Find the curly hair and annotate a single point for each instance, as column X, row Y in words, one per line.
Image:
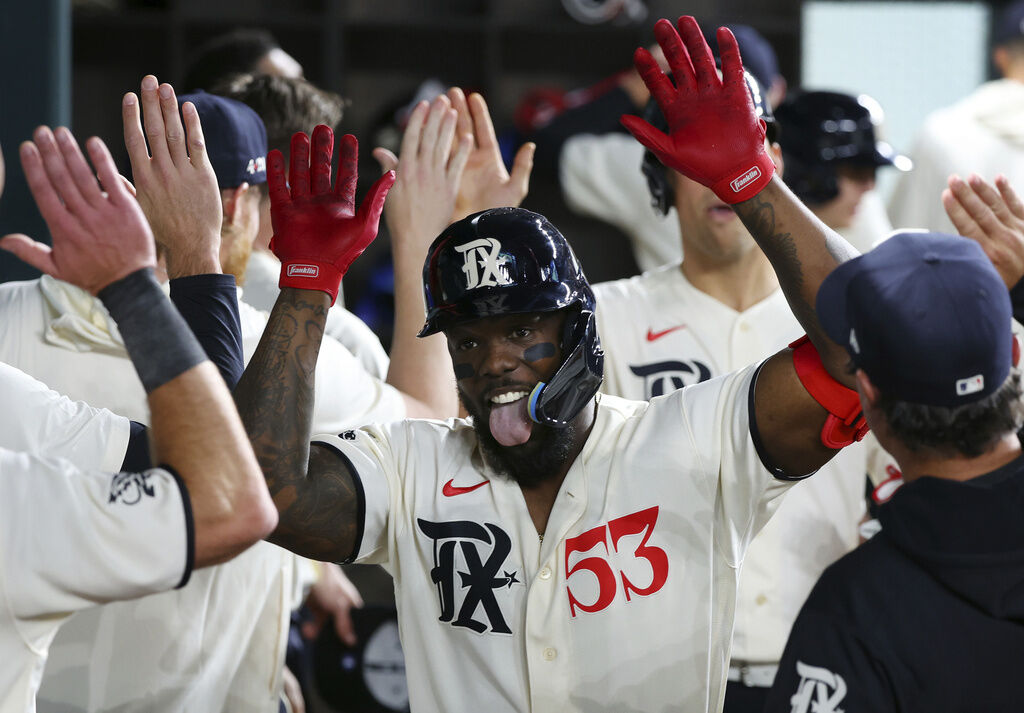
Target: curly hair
column 967, row 430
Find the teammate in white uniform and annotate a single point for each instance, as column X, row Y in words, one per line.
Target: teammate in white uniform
column 127, row 534
column 562, row 550
column 210, row 625
column 670, row 333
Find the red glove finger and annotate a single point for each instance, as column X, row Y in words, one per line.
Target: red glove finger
column 320, row 168
column 714, row 135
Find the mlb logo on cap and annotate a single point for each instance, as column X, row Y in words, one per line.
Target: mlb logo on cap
column 926, row 316
column 970, row 386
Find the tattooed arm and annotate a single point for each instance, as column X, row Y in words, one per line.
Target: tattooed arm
column 311, row 486
column 803, row 251
column 317, row 235
column 716, row 138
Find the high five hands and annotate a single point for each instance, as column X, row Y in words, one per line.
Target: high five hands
column 99, row 232
column 714, row 137
column 317, row 230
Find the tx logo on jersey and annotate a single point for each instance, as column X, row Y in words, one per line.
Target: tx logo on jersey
column 484, row 262
column 663, row 377
column 820, row 690
column 469, row 560
column 130, row 487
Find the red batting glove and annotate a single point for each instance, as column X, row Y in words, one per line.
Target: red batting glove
column 317, row 232
column 714, row 136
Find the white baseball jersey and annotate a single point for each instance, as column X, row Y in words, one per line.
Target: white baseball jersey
column 231, row 623
column 626, row 604
column 64, row 337
column 660, row 333
column 72, row 538
column 36, row 419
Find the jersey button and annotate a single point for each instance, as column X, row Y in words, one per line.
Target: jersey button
column 550, row 654
column 545, row 573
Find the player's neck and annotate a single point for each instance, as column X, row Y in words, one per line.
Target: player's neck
column 738, row 284
column 915, row 465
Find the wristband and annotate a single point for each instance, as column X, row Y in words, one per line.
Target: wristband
column 160, row 344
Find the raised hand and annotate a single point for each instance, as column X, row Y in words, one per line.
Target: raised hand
column 994, row 219
column 99, row 234
column 430, row 167
column 715, row 136
column 176, row 185
column 486, row 182
column 317, row 231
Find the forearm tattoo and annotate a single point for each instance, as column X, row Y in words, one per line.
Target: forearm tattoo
column 758, row 215
column 316, row 498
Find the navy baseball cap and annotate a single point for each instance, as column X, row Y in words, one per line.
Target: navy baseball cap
column 1009, row 25
column 236, row 139
column 925, row 315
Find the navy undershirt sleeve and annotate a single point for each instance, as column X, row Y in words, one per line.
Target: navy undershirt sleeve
column 209, row 304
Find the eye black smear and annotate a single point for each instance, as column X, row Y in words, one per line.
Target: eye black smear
column 539, row 351
column 464, row 371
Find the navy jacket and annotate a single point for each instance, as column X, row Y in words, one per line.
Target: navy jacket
column 926, row 616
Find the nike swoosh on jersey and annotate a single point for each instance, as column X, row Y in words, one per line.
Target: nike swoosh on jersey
column 652, row 335
column 450, row 491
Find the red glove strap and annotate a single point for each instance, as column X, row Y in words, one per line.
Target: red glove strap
column 311, row 275
column 845, row 423
column 746, row 181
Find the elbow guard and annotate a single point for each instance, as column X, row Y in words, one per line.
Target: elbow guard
column 845, row 423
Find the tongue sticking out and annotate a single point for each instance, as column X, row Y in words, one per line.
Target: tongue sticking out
column 510, row 423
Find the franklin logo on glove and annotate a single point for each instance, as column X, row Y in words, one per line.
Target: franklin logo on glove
column 303, row 271
column 746, row 179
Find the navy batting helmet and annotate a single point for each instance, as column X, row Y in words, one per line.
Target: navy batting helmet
column 512, row 261
column 654, row 170
column 821, row 130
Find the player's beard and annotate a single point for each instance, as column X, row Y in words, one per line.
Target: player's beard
column 530, row 464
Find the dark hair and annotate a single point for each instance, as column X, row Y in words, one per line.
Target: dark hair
column 286, row 105
column 232, row 53
column 967, row 430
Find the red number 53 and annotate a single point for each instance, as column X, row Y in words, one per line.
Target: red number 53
column 634, row 524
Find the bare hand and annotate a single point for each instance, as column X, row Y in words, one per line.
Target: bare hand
column 633, row 84
column 994, row 219
column 422, row 200
column 98, row 237
column 333, row 596
column 485, row 182
column 176, row 186
column 292, row 691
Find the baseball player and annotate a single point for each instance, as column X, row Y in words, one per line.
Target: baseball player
column 72, row 536
column 561, row 549
column 832, row 154
column 717, row 311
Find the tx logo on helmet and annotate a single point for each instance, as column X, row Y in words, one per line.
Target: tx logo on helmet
column 484, row 263
column 469, row 559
